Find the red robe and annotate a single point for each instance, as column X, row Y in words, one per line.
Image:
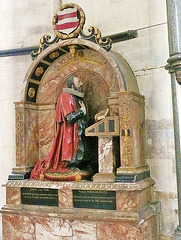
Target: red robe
column 66, row 140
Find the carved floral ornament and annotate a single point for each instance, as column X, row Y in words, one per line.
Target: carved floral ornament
column 125, row 108
column 31, row 92
column 39, row 71
column 54, row 55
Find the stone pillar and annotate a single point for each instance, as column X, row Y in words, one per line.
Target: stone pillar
column 132, row 132
column 105, row 146
column 25, row 121
column 106, row 160
column 174, row 35
column 174, row 66
column 35, row 130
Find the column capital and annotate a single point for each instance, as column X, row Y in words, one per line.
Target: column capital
column 174, row 66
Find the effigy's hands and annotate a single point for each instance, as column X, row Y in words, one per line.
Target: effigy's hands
column 82, row 107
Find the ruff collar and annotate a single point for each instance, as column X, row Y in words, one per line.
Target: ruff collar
column 74, row 92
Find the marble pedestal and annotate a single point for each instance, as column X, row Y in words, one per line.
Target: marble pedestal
column 135, row 216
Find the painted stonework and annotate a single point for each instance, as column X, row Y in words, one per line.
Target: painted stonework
column 116, row 231
column 20, row 136
column 32, row 136
column 40, row 228
column 47, row 128
column 26, row 134
column 132, row 201
column 105, row 155
column 52, row 228
column 65, row 198
column 13, row 196
column 84, row 230
column 18, row 227
column 126, row 201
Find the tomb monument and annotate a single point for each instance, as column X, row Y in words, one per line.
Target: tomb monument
column 108, row 194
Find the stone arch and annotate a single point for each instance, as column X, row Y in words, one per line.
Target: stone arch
column 56, row 62
column 104, row 74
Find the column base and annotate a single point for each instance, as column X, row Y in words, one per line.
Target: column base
column 20, row 173
column 132, row 178
column 104, row 177
column 177, row 233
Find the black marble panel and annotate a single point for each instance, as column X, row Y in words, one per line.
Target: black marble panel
column 94, row 199
column 39, row 196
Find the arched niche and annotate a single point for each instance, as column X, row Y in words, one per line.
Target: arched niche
column 103, row 73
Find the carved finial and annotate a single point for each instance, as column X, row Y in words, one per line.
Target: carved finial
column 72, row 49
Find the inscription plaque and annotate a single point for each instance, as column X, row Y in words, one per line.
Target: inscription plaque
column 94, row 199
column 39, row 196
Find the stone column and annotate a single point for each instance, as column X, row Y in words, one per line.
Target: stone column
column 174, row 66
column 26, row 122
column 132, row 133
column 106, row 160
column 105, row 145
column 174, row 36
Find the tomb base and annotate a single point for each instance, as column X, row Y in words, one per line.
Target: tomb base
column 80, row 210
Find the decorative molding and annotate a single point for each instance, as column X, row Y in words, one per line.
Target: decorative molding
column 125, row 125
column 84, row 185
column 20, row 148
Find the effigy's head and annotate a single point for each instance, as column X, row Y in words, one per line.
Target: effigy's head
column 70, row 81
column 73, row 81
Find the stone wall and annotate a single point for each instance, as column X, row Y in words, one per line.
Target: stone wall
column 24, row 22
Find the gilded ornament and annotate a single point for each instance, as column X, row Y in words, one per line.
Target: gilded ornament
column 39, row 71
column 72, row 49
column 44, row 43
column 31, row 92
column 78, row 177
column 54, row 55
column 125, row 125
column 95, row 36
column 127, row 151
column 125, row 114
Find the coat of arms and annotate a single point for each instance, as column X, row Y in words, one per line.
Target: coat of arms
column 68, row 21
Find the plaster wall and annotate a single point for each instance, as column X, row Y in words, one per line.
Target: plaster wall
column 24, row 22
